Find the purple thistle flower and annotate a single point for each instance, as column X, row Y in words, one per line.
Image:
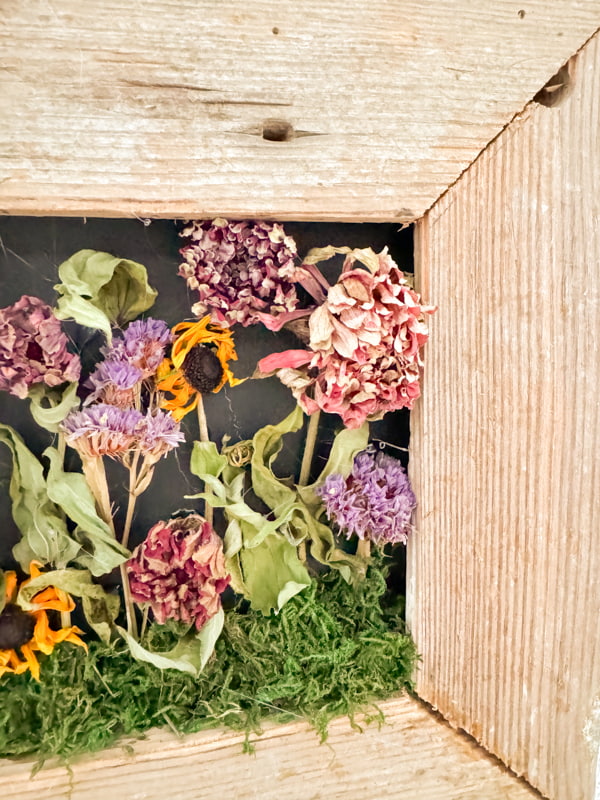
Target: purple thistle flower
column 142, row 345
column 113, row 383
column 159, row 434
column 103, row 430
column 180, row 571
column 375, row 502
column 33, row 348
column 243, row 271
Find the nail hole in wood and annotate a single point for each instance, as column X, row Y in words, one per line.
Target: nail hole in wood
column 557, row 88
column 521, row 13
column 275, row 30
column 277, row 130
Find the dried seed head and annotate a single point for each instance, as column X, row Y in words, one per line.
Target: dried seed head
column 202, row 369
column 16, row 627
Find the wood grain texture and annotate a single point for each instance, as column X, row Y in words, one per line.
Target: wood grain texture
column 113, row 108
column 413, row 757
column 505, row 568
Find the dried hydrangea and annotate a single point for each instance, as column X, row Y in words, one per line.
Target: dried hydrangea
column 364, row 348
column 105, row 430
column 179, row 570
column 375, row 502
column 142, row 345
column 33, row 348
column 243, row 271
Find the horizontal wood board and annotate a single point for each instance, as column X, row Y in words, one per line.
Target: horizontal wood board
column 505, row 568
column 157, row 109
column 412, row 757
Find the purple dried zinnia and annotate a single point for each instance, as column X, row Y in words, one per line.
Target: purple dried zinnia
column 142, row 345
column 180, row 571
column 375, row 502
column 103, row 430
column 242, row 271
column 113, row 382
column 33, row 348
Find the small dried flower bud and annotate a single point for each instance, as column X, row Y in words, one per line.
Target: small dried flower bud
column 240, row 454
column 202, row 369
column 16, row 627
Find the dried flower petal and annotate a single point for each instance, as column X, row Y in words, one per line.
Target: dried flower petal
column 180, row 571
column 142, row 345
column 102, row 430
column 243, row 271
column 33, row 348
column 113, row 382
column 375, row 502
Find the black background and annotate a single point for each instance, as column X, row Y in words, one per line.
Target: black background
column 31, row 249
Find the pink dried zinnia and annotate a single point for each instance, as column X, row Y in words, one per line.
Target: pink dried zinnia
column 364, row 349
column 33, row 348
column 180, row 571
column 243, row 271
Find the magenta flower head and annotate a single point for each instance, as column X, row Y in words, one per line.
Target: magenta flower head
column 243, row 271
column 179, row 570
column 142, row 345
column 103, row 430
column 33, row 348
column 375, row 502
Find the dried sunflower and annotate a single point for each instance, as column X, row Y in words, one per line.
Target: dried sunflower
column 199, row 363
column 24, row 632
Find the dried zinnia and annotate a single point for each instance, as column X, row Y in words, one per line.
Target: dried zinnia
column 33, row 348
column 179, row 570
column 375, row 502
column 364, row 347
column 243, row 271
column 23, row 632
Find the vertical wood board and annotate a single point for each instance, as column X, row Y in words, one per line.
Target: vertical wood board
column 161, row 108
column 505, row 568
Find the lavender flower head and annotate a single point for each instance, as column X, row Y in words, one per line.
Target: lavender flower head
column 243, row 271
column 102, row 430
column 33, row 348
column 142, row 345
column 375, row 502
column 113, row 382
column 159, row 434
column 180, row 571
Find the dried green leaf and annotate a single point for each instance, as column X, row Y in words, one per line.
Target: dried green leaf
column 49, row 406
column 272, row 574
column 100, row 290
column 190, row 654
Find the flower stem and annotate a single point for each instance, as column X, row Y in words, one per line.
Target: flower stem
column 307, row 457
column 363, row 548
column 128, row 602
column 203, row 429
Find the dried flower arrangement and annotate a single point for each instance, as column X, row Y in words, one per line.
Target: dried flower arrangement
column 265, row 594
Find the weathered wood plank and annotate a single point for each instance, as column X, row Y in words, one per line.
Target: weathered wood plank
column 505, row 569
column 413, row 757
column 112, row 108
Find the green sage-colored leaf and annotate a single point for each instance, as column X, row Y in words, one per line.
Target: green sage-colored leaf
column 206, row 460
column 346, row 445
column 101, row 553
column 317, row 254
column 49, row 406
column 100, row 290
column 190, row 654
column 267, row 444
column 272, row 574
column 42, row 524
column 100, row 608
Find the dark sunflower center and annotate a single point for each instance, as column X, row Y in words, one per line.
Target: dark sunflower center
column 16, row 627
column 202, row 369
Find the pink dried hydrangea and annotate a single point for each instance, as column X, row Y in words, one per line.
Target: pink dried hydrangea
column 33, row 348
column 364, row 348
column 243, row 271
column 179, row 570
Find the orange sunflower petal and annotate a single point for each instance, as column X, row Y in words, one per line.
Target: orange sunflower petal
column 11, row 585
column 30, row 662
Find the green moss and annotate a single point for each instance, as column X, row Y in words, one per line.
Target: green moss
column 332, row 650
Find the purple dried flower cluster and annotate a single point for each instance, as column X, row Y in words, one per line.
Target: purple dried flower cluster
column 180, row 571
column 106, row 430
column 33, row 348
column 243, row 271
column 375, row 502
column 142, row 345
